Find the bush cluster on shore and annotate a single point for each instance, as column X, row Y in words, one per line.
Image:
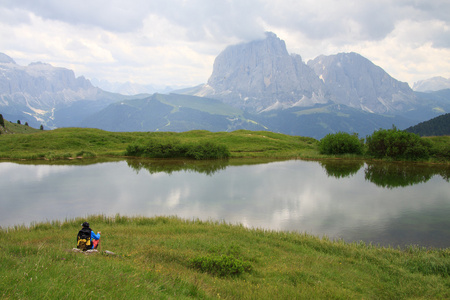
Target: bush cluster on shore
column 391, row 144
column 175, row 149
column 340, row 143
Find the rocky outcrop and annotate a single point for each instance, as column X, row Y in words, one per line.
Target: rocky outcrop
column 33, row 93
column 355, row 81
column 41, row 86
column 261, row 75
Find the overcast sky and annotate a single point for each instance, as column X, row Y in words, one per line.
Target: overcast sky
column 175, row 42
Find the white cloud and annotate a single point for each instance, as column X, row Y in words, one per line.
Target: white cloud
column 175, row 41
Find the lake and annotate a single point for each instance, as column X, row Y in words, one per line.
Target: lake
column 393, row 204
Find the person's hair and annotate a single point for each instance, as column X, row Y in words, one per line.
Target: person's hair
column 85, row 224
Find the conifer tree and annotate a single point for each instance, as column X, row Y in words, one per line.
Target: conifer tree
column 2, row 121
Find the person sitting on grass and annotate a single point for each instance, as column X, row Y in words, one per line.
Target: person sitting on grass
column 86, row 238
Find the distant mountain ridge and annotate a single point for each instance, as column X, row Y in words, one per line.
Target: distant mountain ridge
column 37, row 93
column 256, row 85
column 432, row 84
column 171, row 112
column 355, row 81
column 434, row 127
column 261, row 76
column 129, row 88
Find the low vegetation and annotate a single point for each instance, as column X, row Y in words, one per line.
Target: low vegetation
column 7, row 127
column 398, row 144
column 389, row 144
column 67, row 143
column 175, row 149
column 85, row 142
column 171, row 258
column 341, row 143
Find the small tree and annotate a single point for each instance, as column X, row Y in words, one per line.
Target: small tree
column 18, row 122
column 42, row 127
column 26, row 123
column 2, row 121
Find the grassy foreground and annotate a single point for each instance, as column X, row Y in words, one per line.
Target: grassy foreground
column 153, row 260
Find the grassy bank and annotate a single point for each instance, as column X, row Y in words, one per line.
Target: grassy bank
column 154, row 259
column 68, row 143
column 85, row 142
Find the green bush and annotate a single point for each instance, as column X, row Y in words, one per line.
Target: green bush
column 397, row 144
column 440, row 148
column 340, row 143
column 175, row 149
column 206, row 150
column 225, row 265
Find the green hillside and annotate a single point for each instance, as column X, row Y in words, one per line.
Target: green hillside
column 172, row 112
column 434, row 127
column 322, row 119
column 12, row 128
column 179, row 113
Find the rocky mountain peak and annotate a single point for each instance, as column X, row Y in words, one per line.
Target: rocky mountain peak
column 5, row 59
column 262, row 75
column 355, row 81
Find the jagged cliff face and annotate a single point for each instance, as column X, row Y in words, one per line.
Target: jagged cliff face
column 38, row 89
column 40, row 86
column 355, row 81
column 261, row 75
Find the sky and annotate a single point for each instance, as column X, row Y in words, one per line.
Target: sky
column 174, row 42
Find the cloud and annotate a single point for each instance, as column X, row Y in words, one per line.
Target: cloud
column 176, row 41
column 111, row 15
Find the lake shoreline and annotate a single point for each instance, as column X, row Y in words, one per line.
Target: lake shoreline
column 77, row 143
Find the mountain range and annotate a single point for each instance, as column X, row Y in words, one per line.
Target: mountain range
column 256, row 85
column 42, row 94
column 432, row 84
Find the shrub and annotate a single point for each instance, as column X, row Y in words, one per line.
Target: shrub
column 207, row 150
column 397, row 144
column 174, row 149
column 225, row 265
column 340, row 143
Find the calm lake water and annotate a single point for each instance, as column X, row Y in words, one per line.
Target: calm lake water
column 383, row 203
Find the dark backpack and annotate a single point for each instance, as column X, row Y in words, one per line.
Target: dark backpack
column 84, row 239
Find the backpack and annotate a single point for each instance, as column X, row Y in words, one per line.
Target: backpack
column 84, row 239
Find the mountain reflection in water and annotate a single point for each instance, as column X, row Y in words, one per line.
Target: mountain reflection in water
column 385, row 203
